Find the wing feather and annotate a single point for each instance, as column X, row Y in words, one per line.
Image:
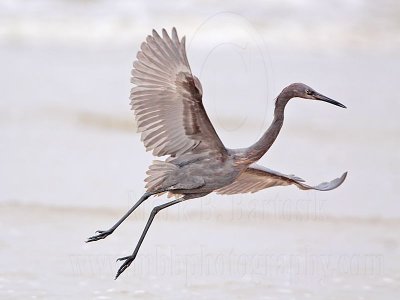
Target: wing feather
column 257, row 178
column 167, row 99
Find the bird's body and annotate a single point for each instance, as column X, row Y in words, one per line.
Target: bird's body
column 167, row 101
column 192, row 177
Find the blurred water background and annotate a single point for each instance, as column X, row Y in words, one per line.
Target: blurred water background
column 69, row 145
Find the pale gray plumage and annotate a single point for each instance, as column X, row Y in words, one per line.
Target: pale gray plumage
column 167, row 102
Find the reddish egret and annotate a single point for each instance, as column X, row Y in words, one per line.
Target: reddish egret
column 167, row 101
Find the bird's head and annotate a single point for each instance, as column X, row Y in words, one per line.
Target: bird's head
column 304, row 91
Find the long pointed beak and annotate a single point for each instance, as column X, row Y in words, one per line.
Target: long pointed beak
column 329, row 100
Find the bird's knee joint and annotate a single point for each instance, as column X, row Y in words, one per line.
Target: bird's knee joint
column 155, row 210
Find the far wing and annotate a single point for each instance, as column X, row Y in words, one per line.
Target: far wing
column 257, row 178
column 167, row 99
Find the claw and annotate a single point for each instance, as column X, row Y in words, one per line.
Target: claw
column 101, row 234
column 128, row 260
column 123, row 258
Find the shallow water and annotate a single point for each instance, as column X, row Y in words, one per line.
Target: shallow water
column 188, row 256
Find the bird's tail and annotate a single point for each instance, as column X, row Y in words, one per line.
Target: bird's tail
column 158, row 173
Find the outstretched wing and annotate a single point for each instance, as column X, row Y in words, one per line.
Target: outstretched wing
column 167, row 99
column 257, row 178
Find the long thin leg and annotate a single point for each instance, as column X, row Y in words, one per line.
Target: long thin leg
column 101, row 234
column 129, row 259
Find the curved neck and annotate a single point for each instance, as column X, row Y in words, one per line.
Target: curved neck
column 258, row 149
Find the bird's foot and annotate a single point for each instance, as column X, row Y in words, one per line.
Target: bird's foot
column 101, row 234
column 127, row 262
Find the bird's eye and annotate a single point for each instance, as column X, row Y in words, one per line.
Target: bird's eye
column 309, row 92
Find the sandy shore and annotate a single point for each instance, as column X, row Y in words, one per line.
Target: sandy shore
column 186, row 256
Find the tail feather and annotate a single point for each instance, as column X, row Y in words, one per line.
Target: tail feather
column 158, row 172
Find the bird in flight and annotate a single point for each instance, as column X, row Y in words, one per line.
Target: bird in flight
column 168, row 106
